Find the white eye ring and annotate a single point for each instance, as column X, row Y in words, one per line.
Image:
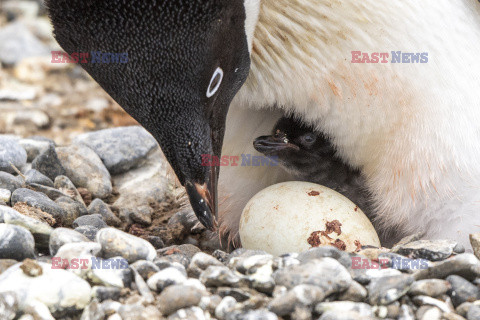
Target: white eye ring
column 211, row 91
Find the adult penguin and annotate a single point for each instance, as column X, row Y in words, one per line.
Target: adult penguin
column 412, row 128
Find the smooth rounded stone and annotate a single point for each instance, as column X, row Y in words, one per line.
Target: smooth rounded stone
column 138, row 312
column 185, row 217
column 475, row 242
column 41, row 231
column 452, row 316
column 65, row 185
column 339, row 307
column 323, row 252
column 145, row 268
column 8, row 305
column 250, row 265
column 11, row 153
column 113, row 272
column 462, row 290
column 260, row 278
column 120, row 149
column 156, row 242
column 34, row 147
column 356, row 292
column 200, row 262
column 59, row 290
column 240, row 295
column 259, row 314
column 102, row 293
column 219, row 276
column 473, row 313
column 165, row 278
column 428, row 313
column 425, row 300
column 406, row 313
column 118, row 243
column 86, row 170
column 99, row 207
column 73, row 210
column 188, row 250
column 61, row 236
column 49, row 164
column 221, row 256
column 429, row 287
column 385, row 290
column 94, row 220
column 364, row 276
column 178, row 297
column 5, row 196
column 326, row 273
column 142, row 188
column 465, row 265
column 175, row 258
column 9, row 182
column 193, row 313
column 303, row 295
column 433, row 250
column 225, row 307
column 18, row 43
column 39, row 201
column 142, row 287
column 16, row 242
column 50, row 192
column 36, row 177
column 88, row 231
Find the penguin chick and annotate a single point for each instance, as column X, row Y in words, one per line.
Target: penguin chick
column 309, row 156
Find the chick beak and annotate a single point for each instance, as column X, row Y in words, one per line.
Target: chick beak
column 203, row 198
column 273, row 144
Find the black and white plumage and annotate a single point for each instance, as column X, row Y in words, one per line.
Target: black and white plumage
column 412, row 129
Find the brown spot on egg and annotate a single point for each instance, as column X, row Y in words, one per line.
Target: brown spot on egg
column 313, row 193
column 340, row 245
column 359, row 245
column 333, row 226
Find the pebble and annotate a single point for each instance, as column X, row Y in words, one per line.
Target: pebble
column 323, row 252
column 61, row 236
column 200, row 262
column 165, row 278
column 99, row 207
column 120, row 149
column 218, row 276
column 94, row 220
column 49, row 164
column 16, row 242
column 142, row 188
column 429, row 287
column 177, row 261
column 57, row 289
column 138, row 312
column 113, row 272
column 433, row 250
column 34, row 147
column 178, row 297
column 65, row 185
column 462, row 290
column 475, row 242
column 86, row 170
column 142, row 287
column 145, row 268
column 326, row 273
column 473, row 313
column 356, row 292
column 118, row 243
column 339, row 307
column 102, row 293
column 5, row 196
column 52, row 193
column 465, row 265
column 38, row 200
column 11, row 153
column 18, row 43
column 36, row 177
column 425, row 300
column 385, row 290
column 72, row 210
column 303, row 295
column 88, row 231
column 9, row 182
column 8, row 305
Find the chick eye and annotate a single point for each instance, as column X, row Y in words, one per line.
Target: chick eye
column 309, row 138
column 215, row 82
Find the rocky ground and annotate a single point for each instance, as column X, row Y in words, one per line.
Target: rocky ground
column 94, row 226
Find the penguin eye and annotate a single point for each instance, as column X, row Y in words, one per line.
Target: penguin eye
column 309, row 139
column 215, row 82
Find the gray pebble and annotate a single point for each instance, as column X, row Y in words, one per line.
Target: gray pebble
column 105, row 293
column 8, row 305
column 462, row 290
column 86, row 170
column 192, row 313
column 5, row 196
column 385, row 290
column 94, row 220
column 176, row 258
column 475, row 242
column 465, row 265
column 99, row 207
column 18, row 43
column 118, row 243
column 73, row 209
column 9, row 182
column 200, row 262
column 145, row 268
column 11, row 153
column 178, row 297
column 473, row 313
column 61, row 236
column 36, row 177
column 16, row 242
column 218, row 276
column 38, row 200
column 52, row 193
column 34, row 147
column 356, row 292
column 322, row 252
column 48, row 163
column 120, row 148
column 429, row 287
column 88, row 231
column 165, row 278
column 345, row 307
column 65, row 185
column 433, row 250
column 301, row 296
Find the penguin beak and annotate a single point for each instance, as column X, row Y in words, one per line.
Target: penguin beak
column 203, row 199
column 270, row 145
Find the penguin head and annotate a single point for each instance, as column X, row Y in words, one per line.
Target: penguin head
column 297, row 146
column 186, row 62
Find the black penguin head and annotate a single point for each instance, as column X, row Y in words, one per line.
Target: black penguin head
column 298, row 147
column 186, row 62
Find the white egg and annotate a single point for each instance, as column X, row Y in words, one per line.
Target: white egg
column 295, row 216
